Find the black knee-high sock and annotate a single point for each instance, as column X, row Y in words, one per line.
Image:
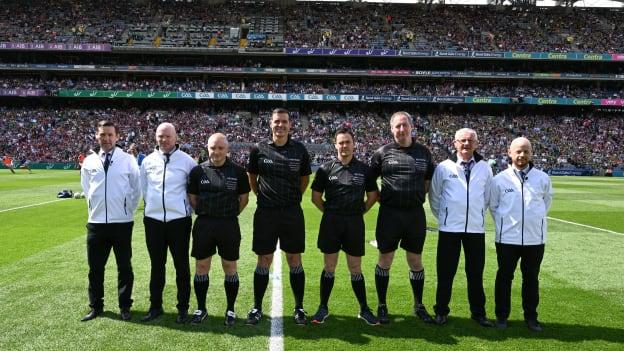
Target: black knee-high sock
column 230, row 283
column 327, row 284
column 357, row 283
column 200, row 284
column 297, row 284
column 261, row 281
column 417, row 280
column 382, row 277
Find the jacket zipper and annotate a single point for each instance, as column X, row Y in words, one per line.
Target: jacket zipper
column 446, row 215
column 105, row 192
column 467, row 201
column 163, row 193
column 522, row 226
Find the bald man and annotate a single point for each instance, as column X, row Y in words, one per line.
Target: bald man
column 519, row 201
column 167, row 220
column 219, row 191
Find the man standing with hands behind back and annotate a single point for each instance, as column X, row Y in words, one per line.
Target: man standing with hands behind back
column 520, row 199
column 406, row 168
column 279, row 172
column 164, row 175
column 344, row 181
column 459, row 196
column 110, row 181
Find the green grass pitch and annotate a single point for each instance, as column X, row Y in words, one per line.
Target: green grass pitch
column 43, row 284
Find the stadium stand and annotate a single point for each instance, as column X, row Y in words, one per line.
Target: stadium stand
column 346, row 25
column 45, row 135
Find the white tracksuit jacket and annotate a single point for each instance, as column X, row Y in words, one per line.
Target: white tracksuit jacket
column 520, row 208
column 164, row 185
column 459, row 205
column 112, row 196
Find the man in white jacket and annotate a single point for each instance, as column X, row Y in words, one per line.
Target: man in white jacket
column 167, row 220
column 110, row 180
column 459, row 196
column 519, row 202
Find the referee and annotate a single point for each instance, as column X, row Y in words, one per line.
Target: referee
column 110, row 180
column 520, row 199
column 167, row 219
column 344, row 182
column 459, row 196
column 219, row 191
column 279, row 172
column 406, row 168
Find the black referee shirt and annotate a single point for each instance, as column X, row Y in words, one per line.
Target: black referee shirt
column 279, row 170
column 218, row 188
column 344, row 186
column 403, row 172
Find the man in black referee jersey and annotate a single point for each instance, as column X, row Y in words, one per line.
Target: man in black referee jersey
column 344, row 181
column 219, row 191
column 279, row 172
column 406, row 168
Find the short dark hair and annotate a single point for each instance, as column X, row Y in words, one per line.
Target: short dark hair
column 280, row 110
column 344, row 130
column 107, row 123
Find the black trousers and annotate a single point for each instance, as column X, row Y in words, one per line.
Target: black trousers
column 530, row 261
column 101, row 237
column 449, row 247
column 174, row 235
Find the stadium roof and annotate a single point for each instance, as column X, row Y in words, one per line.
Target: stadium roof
column 544, row 3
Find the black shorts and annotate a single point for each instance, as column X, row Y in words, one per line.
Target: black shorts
column 285, row 224
column 404, row 226
column 210, row 234
column 338, row 232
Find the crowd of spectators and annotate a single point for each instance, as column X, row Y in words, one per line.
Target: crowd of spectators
column 60, row 135
column 309, row 24
column 405, row 87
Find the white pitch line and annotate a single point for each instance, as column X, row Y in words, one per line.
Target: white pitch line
column 33, row 205
column 276, row 342
column 585, row 225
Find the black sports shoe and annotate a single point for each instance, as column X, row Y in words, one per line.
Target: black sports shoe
column 421, row 312
column 367, row 315
column 440, row 319
column 501, row 323
column 199, row 316
column 230, row 318
column 320, row 316
column 125, row 314
column 534, row 325
column 253, row 317
column 382, row 314
column 182, row 317
column 484, row 322
column 300, row 316
column 152, row 314
column 94, row 313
